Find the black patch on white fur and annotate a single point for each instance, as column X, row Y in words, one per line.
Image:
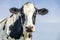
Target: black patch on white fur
column 16, row 29
column 34, row 17
column 30, row 35
column 4, row 24
column 11, row 15
column 22, row 15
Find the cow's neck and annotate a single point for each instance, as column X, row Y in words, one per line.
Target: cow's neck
column 27, row 36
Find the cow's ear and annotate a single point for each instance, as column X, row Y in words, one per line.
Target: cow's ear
column 14, row 10
column 42, row 11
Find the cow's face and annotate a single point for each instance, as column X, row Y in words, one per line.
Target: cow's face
column 29, row 10
column 28, row 13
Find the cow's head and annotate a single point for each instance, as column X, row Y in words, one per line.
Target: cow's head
column 28, row 13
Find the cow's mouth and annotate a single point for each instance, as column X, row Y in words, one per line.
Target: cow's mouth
column 29, row 30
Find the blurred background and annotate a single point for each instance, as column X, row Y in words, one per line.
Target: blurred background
column 47, row 26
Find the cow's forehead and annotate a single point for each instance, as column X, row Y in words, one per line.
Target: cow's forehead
column 28, row 8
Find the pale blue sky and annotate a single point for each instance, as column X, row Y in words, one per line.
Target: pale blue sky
column 48, row 26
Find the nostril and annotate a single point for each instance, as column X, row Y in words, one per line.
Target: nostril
column 32, row 27
column 29, row 28
column 26, row 27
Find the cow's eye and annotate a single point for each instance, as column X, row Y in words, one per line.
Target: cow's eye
column 33, row 18
column 23, row 18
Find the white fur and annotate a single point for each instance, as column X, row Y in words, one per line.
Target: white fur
column 2, row 23
column 26, row 36
column 28, row 11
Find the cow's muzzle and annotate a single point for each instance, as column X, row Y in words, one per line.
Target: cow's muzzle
column 30, row 29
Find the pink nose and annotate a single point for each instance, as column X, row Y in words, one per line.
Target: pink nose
column 29, row 29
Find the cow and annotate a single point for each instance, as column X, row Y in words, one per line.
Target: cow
column 21, row 24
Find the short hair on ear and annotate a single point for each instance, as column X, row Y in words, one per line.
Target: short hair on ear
column 14, row 10
column 42, row 11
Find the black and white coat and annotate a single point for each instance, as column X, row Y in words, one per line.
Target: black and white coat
column 21, row 24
